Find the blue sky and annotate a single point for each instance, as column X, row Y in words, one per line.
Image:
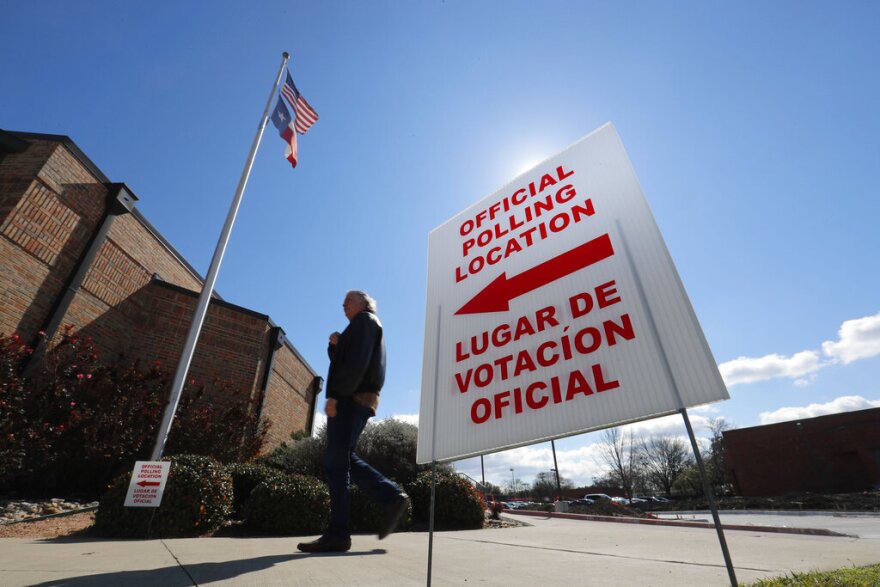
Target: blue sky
column 753, row 128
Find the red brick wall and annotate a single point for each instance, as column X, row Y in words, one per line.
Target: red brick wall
column 288, row 402
column 232, row 346
column 832, row 454
column 145, row 249
column 50, row 205
column 50, row 208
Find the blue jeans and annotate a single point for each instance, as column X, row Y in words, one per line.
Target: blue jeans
column 342, row 466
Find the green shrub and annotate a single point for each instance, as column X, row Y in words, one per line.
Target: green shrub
column 457, row 504
column 246, row 476
column 390, row 447
column 197, row 500
column 289, row 505
column 304, row 455
column 231, row 432
column 496, row 508
column 368, row 517
column 76, row 423
column 79, row 421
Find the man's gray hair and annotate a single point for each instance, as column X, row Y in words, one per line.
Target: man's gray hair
column 369, row 302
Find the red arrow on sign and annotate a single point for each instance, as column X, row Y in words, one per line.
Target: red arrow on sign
column 496, row 296
column 148, row 483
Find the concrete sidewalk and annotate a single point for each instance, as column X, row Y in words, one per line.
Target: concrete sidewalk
column 548, row 551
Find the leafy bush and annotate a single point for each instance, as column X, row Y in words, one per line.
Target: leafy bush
column 390, row 447
column 304, row 455
column 229, row 433
column 289, row 505
column 457, row 504
column 20, row 438
column 246, row 476
column 368, row 517
column 78, row 422
column 197, row 499
column 496, row 508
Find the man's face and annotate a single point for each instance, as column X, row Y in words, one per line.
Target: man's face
column 352, row 306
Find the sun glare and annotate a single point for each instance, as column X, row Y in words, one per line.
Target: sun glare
column 527, row 165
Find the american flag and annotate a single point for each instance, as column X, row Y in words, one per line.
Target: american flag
column 281, row 120
column 305, row 114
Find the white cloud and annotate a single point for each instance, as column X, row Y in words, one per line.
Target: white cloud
column 320, row 421
column 805, row 381
column 671, row 425
column 750, row 370
column 579, row 465
column 858, row 339
column 705, row 409
column 847, row 403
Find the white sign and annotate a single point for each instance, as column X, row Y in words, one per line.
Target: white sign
column 554, row 308
column 147, row 484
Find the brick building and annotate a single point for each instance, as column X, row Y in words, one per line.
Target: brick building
column 75, row 250
column 839, row 453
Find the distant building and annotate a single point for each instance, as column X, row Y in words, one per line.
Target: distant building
column 75, row 250
column 839, row 453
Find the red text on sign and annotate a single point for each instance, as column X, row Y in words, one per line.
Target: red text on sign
column 540, row 393
column 584, row 341
column 523, row 240
column 516, row 199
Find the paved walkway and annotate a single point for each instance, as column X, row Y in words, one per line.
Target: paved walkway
column 547, row 552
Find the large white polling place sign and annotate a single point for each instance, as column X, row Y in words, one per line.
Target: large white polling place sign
column 554, row 308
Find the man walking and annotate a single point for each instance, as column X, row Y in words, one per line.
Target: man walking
column 354, row 380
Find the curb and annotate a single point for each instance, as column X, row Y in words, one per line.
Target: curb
column 681, row 524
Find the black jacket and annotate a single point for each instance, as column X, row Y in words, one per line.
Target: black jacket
column 357, row 361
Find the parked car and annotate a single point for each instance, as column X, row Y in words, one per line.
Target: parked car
column 620, row 500
column 583, row 501
column 637, row 499
column 597, row 496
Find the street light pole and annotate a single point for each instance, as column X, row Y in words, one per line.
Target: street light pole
column 556, row 470
column 512, row 482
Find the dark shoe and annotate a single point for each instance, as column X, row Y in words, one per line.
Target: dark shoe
column 326, row 544
column 393, row 514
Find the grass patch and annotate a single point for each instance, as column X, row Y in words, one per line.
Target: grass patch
column 849, row 577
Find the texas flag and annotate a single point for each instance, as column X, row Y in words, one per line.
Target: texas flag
column 284, row 123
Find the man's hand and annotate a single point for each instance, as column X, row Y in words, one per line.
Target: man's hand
column 334, row 338
column 330, row 408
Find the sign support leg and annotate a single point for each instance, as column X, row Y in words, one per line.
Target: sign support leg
column 433, row 449
column 707, row 489
column 431, row 520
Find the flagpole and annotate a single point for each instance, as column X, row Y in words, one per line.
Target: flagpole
column 208, row 287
